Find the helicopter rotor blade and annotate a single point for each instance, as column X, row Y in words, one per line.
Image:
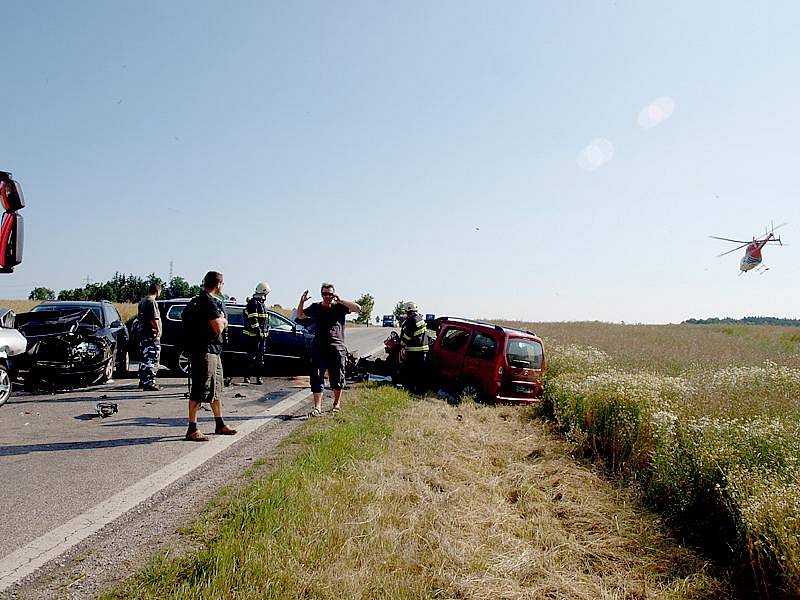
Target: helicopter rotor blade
column 728, row 240
column 733, row 250
column 779, row 226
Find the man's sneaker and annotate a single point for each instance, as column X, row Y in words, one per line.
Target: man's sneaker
column 225, row 431
column 196, row 436
column 150, row 387
column 246, row 381
column 259, row 381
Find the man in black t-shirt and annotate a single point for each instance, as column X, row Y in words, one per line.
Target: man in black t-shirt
column 327, row 350
column 149, row 319
column 204, row 343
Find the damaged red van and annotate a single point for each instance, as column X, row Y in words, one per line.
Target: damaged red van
column 487, row 361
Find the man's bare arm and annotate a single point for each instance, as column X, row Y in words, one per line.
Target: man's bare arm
column 218, row 325
column 351, row 306
column 303, row 299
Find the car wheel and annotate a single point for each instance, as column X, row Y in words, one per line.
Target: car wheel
column 182, row 363
column 108, row 371
column 123, row 363
column 5, row 385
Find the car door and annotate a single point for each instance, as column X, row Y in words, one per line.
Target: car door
column 286, row 339
column 116, row 326
column 479, row 361
column 447, row 357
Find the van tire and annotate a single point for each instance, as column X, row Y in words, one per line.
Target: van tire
column 470, row 389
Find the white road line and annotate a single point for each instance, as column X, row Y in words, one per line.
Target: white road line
column 30, row 557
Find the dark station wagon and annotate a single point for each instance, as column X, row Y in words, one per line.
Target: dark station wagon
column 288, row 349
column 487, row 361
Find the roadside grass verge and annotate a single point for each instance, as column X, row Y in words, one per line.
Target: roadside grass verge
column 714, row 447
column 397, row 498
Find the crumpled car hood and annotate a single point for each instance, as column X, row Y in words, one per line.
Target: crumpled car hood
column 57, row 323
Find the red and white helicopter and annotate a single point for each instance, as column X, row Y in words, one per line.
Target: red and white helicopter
column 752, row 255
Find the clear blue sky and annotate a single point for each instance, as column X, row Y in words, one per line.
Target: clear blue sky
column 415, row 150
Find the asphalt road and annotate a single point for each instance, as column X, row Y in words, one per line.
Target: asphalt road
column 58, row 458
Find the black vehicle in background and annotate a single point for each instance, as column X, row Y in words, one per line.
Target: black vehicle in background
column 71, row 344
column 288, row 350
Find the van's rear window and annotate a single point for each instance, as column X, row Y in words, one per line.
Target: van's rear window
column 524, row 353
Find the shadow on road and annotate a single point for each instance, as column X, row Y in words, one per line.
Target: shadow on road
column 65, row 446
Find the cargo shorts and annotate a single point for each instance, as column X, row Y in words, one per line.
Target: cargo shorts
column 207, row 378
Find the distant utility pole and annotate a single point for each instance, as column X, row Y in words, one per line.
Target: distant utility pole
column 88, row 280
column 170, row 270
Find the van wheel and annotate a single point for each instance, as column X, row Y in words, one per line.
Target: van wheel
column 470, row 391
column 5, row 385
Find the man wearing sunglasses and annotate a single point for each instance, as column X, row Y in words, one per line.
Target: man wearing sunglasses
column 327, row 350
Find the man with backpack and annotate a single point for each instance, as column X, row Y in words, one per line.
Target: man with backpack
column 149, row 333
column 204, row 320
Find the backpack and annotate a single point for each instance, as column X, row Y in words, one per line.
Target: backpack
column 194, row 331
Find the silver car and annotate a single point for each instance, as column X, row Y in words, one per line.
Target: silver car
column 12, row 343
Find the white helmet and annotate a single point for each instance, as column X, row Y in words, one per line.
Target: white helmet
column 263, row 288
column 411, row 307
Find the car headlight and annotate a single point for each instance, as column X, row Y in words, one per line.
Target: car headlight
column 86, row 350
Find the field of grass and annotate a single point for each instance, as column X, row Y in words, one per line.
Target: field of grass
column 704, row 420
column 126, row 309
column 400, row 498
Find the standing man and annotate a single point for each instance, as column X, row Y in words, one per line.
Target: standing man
column 328, row 349
column 256, row 332
column 149, row 338
column 204, row 321
column 413, row 350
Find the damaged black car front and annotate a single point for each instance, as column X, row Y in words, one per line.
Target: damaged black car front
column 66, row 348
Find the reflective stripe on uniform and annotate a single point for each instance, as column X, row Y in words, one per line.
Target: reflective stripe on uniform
column 416, row 348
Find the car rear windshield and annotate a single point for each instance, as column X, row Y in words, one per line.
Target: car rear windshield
column 524, row 353
column 97, row 310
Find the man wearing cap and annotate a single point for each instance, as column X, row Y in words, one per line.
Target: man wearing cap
column 256, row 332
column 413, row 350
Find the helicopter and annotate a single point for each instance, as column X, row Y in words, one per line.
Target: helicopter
column 752, row 258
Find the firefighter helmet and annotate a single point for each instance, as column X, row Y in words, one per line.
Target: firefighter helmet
column 411, row 307
column 263, row 288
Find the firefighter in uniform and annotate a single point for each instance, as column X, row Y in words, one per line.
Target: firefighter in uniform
column 256, row 332
column 413, row 350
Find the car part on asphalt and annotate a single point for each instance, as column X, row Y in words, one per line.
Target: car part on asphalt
column 12, row 343
column 106, row 409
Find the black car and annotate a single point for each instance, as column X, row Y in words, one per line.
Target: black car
column 71, row 343
column 287, row 350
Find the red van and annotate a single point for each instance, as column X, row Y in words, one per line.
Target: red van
column 487, row 361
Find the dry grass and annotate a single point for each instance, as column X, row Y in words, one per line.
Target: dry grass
column 487, row 505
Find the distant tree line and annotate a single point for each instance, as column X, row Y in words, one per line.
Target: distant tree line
column 121, row 288
column 745, row 321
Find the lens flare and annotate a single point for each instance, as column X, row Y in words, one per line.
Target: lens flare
column 655, row 113
column 597, row 153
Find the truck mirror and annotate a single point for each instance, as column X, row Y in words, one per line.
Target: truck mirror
column 11, row 196
column 11, row 241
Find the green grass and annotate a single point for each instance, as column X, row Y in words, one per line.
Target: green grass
column 267, row 539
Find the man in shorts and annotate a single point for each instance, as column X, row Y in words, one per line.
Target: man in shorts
column 327, row 350
column 204, row 324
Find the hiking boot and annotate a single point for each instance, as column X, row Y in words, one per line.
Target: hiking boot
column 196, row 436
column 246, row 381
column 225, row 431
column 259, row 381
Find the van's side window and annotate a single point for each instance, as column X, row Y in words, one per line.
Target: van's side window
column 482, row 346
column 454, row 339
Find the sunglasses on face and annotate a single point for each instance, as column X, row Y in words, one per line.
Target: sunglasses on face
column 328, row 294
